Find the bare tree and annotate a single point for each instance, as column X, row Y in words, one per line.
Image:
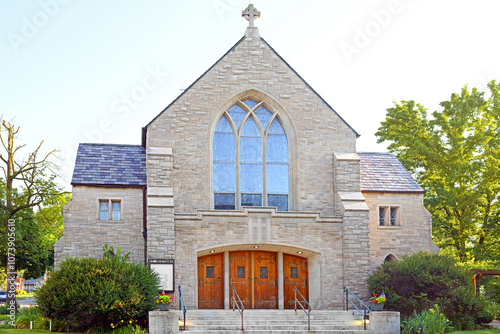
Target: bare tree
column 30, row 173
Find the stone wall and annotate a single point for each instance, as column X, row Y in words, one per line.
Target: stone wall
column 85, row 235
column 319, row 240
column 159, row 165
column 412, row 235
column 252, row 69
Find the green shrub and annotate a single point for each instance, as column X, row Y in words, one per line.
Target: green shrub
column 414, row 324
column 420, row 280
column 427, row 322
column 129, row 329
column 90, row 292
column 26, row 315
column 494, row 309
column 493, row 290
column 4, row 309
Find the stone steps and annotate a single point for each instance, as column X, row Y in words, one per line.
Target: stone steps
column 273, row 322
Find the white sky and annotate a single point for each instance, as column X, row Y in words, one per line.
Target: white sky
column 67, row 67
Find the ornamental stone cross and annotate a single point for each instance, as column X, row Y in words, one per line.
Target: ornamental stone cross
column 250, row 13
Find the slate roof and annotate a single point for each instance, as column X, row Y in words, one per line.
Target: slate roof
column 110, row 165
column 383, row 172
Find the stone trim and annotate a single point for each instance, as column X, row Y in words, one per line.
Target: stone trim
column 159, row 151
column 347, row 157
column 162, row 202
column 200, row 214
column 351, row 196
column 160, row 191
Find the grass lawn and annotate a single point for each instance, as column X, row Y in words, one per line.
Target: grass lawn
column 4, row 317
column 26, row 295
column 484, row 331
column 26, row 331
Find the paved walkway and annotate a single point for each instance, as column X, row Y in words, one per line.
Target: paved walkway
column 495, row 323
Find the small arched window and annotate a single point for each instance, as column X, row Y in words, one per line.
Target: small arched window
column 390, row 258
column 250, row 158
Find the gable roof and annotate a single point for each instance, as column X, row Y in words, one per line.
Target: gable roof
column 110, row 165
column 218, row 61
column 383, row 172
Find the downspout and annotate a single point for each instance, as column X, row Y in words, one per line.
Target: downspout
column 145, row 222
column 145, row 203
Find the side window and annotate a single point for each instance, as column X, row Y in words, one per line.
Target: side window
column 388, row 216
column 110, row 209
column 116, row 208
column 103, row 210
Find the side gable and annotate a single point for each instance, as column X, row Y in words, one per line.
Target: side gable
column 383, row 172
column 110, row 165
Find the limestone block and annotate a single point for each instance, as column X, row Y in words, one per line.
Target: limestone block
column 382, row 322
column 163, row 322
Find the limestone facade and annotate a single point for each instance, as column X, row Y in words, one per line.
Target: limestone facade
column 412, row 234
column 330, row 221
column 85, row 234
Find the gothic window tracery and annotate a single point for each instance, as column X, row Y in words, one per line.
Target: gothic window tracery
column 250, row 158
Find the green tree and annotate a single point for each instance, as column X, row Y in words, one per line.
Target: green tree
column 27, row 184
column 455, row 157
column 31, row 257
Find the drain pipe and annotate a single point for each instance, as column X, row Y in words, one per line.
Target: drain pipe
column 145, row 201
column 145, row 222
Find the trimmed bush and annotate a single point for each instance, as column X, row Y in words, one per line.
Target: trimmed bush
column 90, row 292
column 420, row 280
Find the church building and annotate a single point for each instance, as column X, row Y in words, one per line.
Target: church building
column 247, row 180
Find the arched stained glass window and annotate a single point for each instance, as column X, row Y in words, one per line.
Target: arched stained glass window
column 250, row 158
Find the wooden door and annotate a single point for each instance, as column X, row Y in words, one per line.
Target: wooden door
column 295, row 275
column 240, row 276
column 265, row 280
column 211, row 281
column 254, row 277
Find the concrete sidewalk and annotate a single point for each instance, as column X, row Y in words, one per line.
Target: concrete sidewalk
column 495, row 323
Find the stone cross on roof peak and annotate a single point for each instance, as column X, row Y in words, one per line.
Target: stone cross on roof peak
column 250, row 13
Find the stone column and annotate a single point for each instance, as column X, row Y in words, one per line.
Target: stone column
column 351, row 205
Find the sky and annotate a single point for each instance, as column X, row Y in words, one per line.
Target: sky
column 98, row 71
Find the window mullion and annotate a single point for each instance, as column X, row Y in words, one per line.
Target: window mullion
column 238, row 194
column 264, row 171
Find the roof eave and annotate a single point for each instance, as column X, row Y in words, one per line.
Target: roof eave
column 393, row 191
column 76, row 184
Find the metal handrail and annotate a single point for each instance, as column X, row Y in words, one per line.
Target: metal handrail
column 366, row 309
column 182, row 307
column 308, row 312
column 240, row 309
